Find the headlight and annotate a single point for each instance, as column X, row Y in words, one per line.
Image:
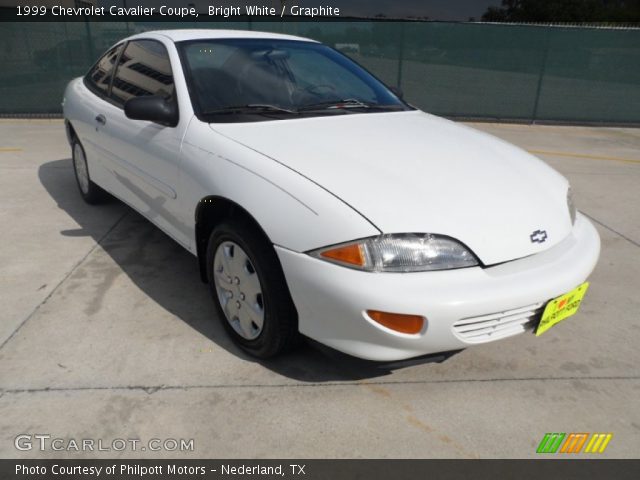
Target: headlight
column 572, row 207
column 406, row 252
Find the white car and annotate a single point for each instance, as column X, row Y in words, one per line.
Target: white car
column 319, row 203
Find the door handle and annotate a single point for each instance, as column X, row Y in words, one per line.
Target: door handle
column 101, row 119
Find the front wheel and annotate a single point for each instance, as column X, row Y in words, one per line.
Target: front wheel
column 249, row 290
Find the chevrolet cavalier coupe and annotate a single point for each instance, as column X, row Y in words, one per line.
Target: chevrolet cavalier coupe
column 319, row 203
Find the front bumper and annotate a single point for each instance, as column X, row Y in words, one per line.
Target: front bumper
column 498, row 301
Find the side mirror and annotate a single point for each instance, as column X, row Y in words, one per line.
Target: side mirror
column 153, row 108
column 397, row 91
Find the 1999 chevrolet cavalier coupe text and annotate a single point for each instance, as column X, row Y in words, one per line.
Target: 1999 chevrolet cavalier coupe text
column 319, row 203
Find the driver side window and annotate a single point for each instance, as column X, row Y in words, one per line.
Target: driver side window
column 99, row 76
column 144, row 69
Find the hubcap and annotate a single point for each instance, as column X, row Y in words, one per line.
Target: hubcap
column 239, row 290
column 80, row 164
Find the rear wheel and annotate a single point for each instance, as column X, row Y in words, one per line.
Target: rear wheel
column 91, row 193
column 249, row 290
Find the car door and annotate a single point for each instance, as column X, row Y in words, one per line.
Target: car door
column 89, row 120
column 145, row 154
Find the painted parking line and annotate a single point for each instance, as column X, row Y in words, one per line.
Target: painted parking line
column 584, row 155
column 10, row 149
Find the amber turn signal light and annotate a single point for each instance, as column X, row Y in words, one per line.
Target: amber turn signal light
column 350, row 254
column 397, row 321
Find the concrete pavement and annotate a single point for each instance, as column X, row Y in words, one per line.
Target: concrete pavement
column 106, row 332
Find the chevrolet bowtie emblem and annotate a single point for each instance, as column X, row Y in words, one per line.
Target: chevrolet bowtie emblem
column 539, row 236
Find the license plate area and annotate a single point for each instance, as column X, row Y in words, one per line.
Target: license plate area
column 561, row 308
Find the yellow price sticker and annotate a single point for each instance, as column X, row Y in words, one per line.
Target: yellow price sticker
column 561, row 308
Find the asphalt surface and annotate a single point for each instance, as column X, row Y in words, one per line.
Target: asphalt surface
column 106, row 332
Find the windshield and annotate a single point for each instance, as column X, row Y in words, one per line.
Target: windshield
column 233, row 80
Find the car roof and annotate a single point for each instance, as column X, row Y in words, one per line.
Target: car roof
column 179, row 35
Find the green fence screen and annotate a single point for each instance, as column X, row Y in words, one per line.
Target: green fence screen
column 471, row 70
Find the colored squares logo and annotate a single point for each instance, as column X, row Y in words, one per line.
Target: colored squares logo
column 598, row 443
column 550, row 442
column 574, row 443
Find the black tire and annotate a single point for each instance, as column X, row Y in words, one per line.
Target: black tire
column 279, row 331
column 90, row 192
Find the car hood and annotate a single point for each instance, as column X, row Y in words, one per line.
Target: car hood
column 415, row 172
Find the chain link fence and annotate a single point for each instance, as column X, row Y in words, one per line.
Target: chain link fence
column 467, row 70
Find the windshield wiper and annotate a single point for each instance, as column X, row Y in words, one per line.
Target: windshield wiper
column 336, row 104
column 333, row 105
column 251, row 108
column 347, row 103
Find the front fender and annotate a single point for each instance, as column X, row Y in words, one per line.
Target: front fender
column 294, row 212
